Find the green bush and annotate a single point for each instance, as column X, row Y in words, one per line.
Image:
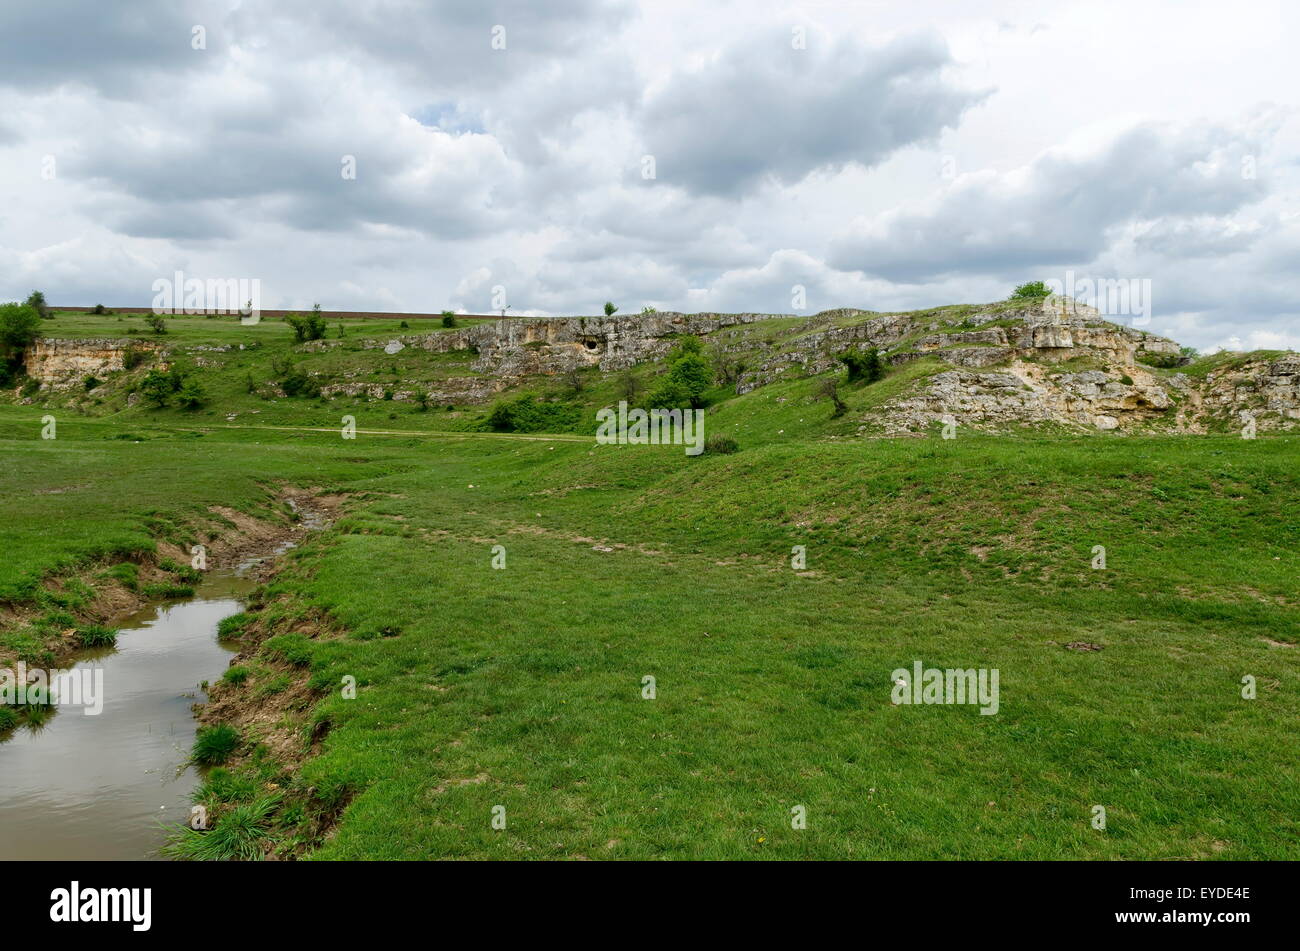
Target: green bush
column 724, row 445
column 191, row 395
column 448, row 319
column 157, row 323
column 867, row 366
column 158, row 387
column 1031, row 290
column 36, row 301
column 1162, row 361
column 235, row 675
column 311, row 327
column 19, row 327
column 527, row 415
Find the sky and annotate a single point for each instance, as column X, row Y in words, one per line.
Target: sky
column 552, row 155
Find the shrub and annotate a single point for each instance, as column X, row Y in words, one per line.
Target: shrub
column 100, row 309
column 156, row 323
column 448, row 319
column 30, row 387
column 670, row 394
column 311, row 327
column 863, row 366
column 214, row 745
column 527, row 415
column 191, row 395
column 830, row 389
column 90, row 382
column 297, row 383
column 19, row 327
column 1162, row 361
column 36, row 301
column 721, row 444
column 157, row 387
column 1031, row 290
column 610, row 309
column 132, row 358
column 235, row 675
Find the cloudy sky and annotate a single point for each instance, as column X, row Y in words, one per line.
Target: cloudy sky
column 684, row 154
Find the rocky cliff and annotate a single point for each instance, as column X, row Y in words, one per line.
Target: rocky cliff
column 65, row 363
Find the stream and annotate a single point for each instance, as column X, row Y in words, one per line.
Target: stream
column 102, row 787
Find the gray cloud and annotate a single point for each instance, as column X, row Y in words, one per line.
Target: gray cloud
column 1059, row 210
column 764, row 111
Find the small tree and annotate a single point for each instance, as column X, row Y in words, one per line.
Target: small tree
column 156, row 323
column 830, row 389
column 867, row 367
column 311, row 327
column 157, row 387
column 1032, row 290
column 610, row 309
column 19, row 328
column 36, row 301
column 448, row 319
column 191, row 395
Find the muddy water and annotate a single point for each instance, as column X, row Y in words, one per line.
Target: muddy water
column 101, row 787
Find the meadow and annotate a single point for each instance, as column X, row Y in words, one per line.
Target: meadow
column 519, row 692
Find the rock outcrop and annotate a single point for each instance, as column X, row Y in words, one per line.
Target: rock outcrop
column 65, row 363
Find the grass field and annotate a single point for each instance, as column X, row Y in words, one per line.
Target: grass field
column 522, row 687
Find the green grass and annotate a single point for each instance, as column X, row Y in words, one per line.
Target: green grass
column 522, row 687
column 214, row 745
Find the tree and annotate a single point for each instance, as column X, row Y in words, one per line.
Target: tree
column 610, row 309
column 448, row 319
column 157, row 387
column 36, row 301
column 693, row 373
column 830, row 389
column 1032, row 290
column 157, row 323
column 311, row 327
column 191, row 395
column 19, row 327
column 867, row 367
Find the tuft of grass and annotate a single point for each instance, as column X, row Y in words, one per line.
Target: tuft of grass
column 230, row 628
column 244, row 834
column 214, row 745
column 235, row 675
column 96, row 636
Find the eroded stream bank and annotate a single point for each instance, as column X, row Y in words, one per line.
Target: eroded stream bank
column 108, row 785
column 102, row 786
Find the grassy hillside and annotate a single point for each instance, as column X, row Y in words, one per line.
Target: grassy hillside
column 522, row 687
